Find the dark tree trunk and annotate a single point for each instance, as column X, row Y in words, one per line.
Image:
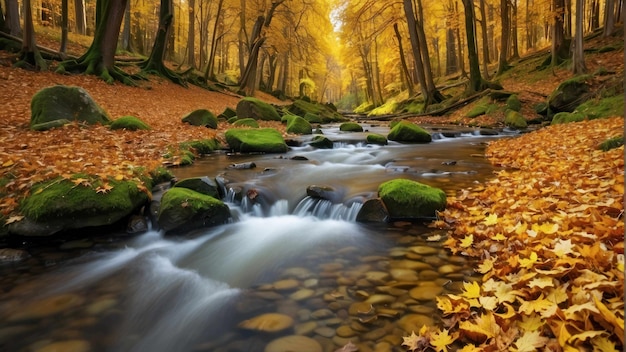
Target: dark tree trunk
column 12, row 18
column 560, row 47
column 155, row 62
column 64, row 21
column 514, row 40
column 460, row 44
column 485, row 39
column 503, row 63
column 209, row 73
column 30, row 55
column 191, row 34
column 476, row 82
column 579, row 66
column 81, row 21
column 126, row 40
column 609, row 18
column 405, row 68
column 451, row 58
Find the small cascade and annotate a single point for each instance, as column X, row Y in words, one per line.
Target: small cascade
column 325, row 209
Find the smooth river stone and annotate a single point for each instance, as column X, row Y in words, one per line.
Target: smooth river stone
column 420, row 309
column 449, row 269
column 302, row 294
column 404, row 274
column 409, row 264
column 360, row 308
column 345, row 331
column 414, row 322
column 294, row 343
column 286, row 285
column 383, row 347
column 65, row 346
column 269, row 322
column 377, row 277
column 101, row 306
column 423, row 250
column 428, row 275
column 425, row 293
column 298, row 273
column 325, row 331
column 374, row 334
column 322, row 313
column 378, row 299
column 305, row 328
column 46, row 307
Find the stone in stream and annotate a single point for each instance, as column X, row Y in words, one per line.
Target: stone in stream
column 184, row 210
column 268, row 322
column 65, row 346
column 406, row 199
column 10, row 255
column 293, row 343
column 425, row 293
column 46, row 307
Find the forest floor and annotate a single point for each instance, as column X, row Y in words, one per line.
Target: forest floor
column 548, row 230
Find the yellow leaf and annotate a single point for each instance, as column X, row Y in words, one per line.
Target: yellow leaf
column 488, row 302
column 563, row 248
column 441, row 340
column 411, row 341
column 471, row 290
column 467, row 241
column 528, row 263
column 603, row 344
column 483, row 328
column 8, row 163
column 485, row 266
column 491, row 219
column 498, row 237
column 119, row 177
column 510, row 312
column 610, row 317
column 13, row 219
column 572, row 311
column 585, row 335
column 538, row 305
column 531, row 322
column 470, row 348
column 530, row 341
column 541, row 282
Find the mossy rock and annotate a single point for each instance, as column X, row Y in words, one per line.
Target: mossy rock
column 515, row 120
column 313, row 118
column 570, row 94
column 513, row 103
column 298, row 125
column 374, row 138
column 541, row 108
column 254, row 108
column 263, row 140
column 350, row 127
column 130, row 123
column 77, row 203
column 227, row 114
column 567, row 117
column 202, row 146
column 479, row 108
column 65, row 103
column 184, row 210
column 321, row 142
column 248, row 122
column 605, row 107
column 407, row 199
column 233, row 119
column 202, row 185
column 201, row 117
column 611, row 143
column 325, row 114
column 408, row 132
column 49, row 125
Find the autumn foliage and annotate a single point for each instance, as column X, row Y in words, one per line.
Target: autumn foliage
column 548, row 231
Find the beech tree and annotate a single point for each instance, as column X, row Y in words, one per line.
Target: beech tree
column 12, row 18
column 100, row 57
column 30, row 55
column 579, row 66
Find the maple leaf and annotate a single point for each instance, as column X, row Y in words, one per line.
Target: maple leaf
column 531, row 322
column 471, row 290
column 530, row 262
column 486, row 266
column 81, row 182
column 541, row 282
column 491, row 219
column 530, row 341
column 539, row 305
column 467, row 241
column 483, row 328
column 563, row 248
column 603, row 344
column 105, row 188
column 14, row 218
column 416, row 342
column 470, row 348
column 441, row 340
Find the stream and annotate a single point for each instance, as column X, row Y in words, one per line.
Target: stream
column 289, row 273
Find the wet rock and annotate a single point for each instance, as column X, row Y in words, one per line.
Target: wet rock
column 425, row 293
column 137, row 224
column 373, row 210
column 414, row 322
column 345, row 331
column 325, row 331
column 305, row 328
column 242, row 166
column 102, row 305
column 449, row 269
column 286, row 285
column 269, row 322
column 183, row 210
column 46, row 307
column 423, row 250
column 404, row 274
column 405, row 131
column 323, row 192
column 65, row 346
column 204, row 185
column 321, row 142
column 293, row 343
column 10, row 255
column 302, row 294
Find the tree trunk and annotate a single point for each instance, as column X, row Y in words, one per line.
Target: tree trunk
column 30, row 55
column 476, row 82
column 81, row 21
column 451, row 58
column 433, row 96
column 405, row 68
column 485, row 39
column 559, row 50
column 514, row 41
column 244, row 41
column 12, row 18
column 191, row 34
column 460, row 45
column 609, row 18
column 579, row 66
column 64, row 20
column 209, row 73
column 503, row 64
column 126, row 40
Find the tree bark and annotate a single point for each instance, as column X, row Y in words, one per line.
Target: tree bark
column 609, row 18
column 503, row 63
column 81, row 22
column 559, row 51
column 30, row 55
column 209, row 73
column 12, row 18
column 405, row 68
column 514, row 41
column 191, row 33
column 579, row 66
column 64, row 29
column 485, row 39
column 451, row 57
column 476, row 82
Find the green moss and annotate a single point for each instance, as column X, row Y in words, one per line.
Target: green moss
column 409, row 199
column 130, row 123
column 480, row 107
column 515, row 120
column 184, row 209
column 66, row 102
column 201, row 117
column 77, row 200
column 567, row 117
column 202, row 185
column 325, row 113
column 298, row 125
column 415, row 107
column 49, row 125
column 312, row 118
column 364, row 108
column 233, row 119
column 160, row 175
column 374, row 138
column 389, row 107
column 350, row 127
column 612, row 143
column 513, row 103
column 321, row 142
column 227, row 114
column 264, row 140
column 254, row 108
column 405, row 131
column 248, row 122
column 606, row 107
column 201, row 146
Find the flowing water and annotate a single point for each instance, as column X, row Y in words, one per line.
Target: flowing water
column 330, row 279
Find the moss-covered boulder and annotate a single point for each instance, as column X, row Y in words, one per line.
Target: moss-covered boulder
column 184, row 210
column 513, row 103
column 313, row 118
column 65, row 103
column 406, row 199
column 298, row 125
column 227, row 114
column 82, row 201
column 482, row 107
column 601, row 108
column 50, row 125
column 350, row 127
column 611, row 143
column 201, row 117
column 567, row 117
column 201, row 146
column 247, row 122
column 130, row 123
column 254, row 108
column 570, row 94
column 321, row 142
column 202, row 185
column 515, row 120
column 262, row 140
column 323, row 112
column 408, row 132
column 375, row 138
